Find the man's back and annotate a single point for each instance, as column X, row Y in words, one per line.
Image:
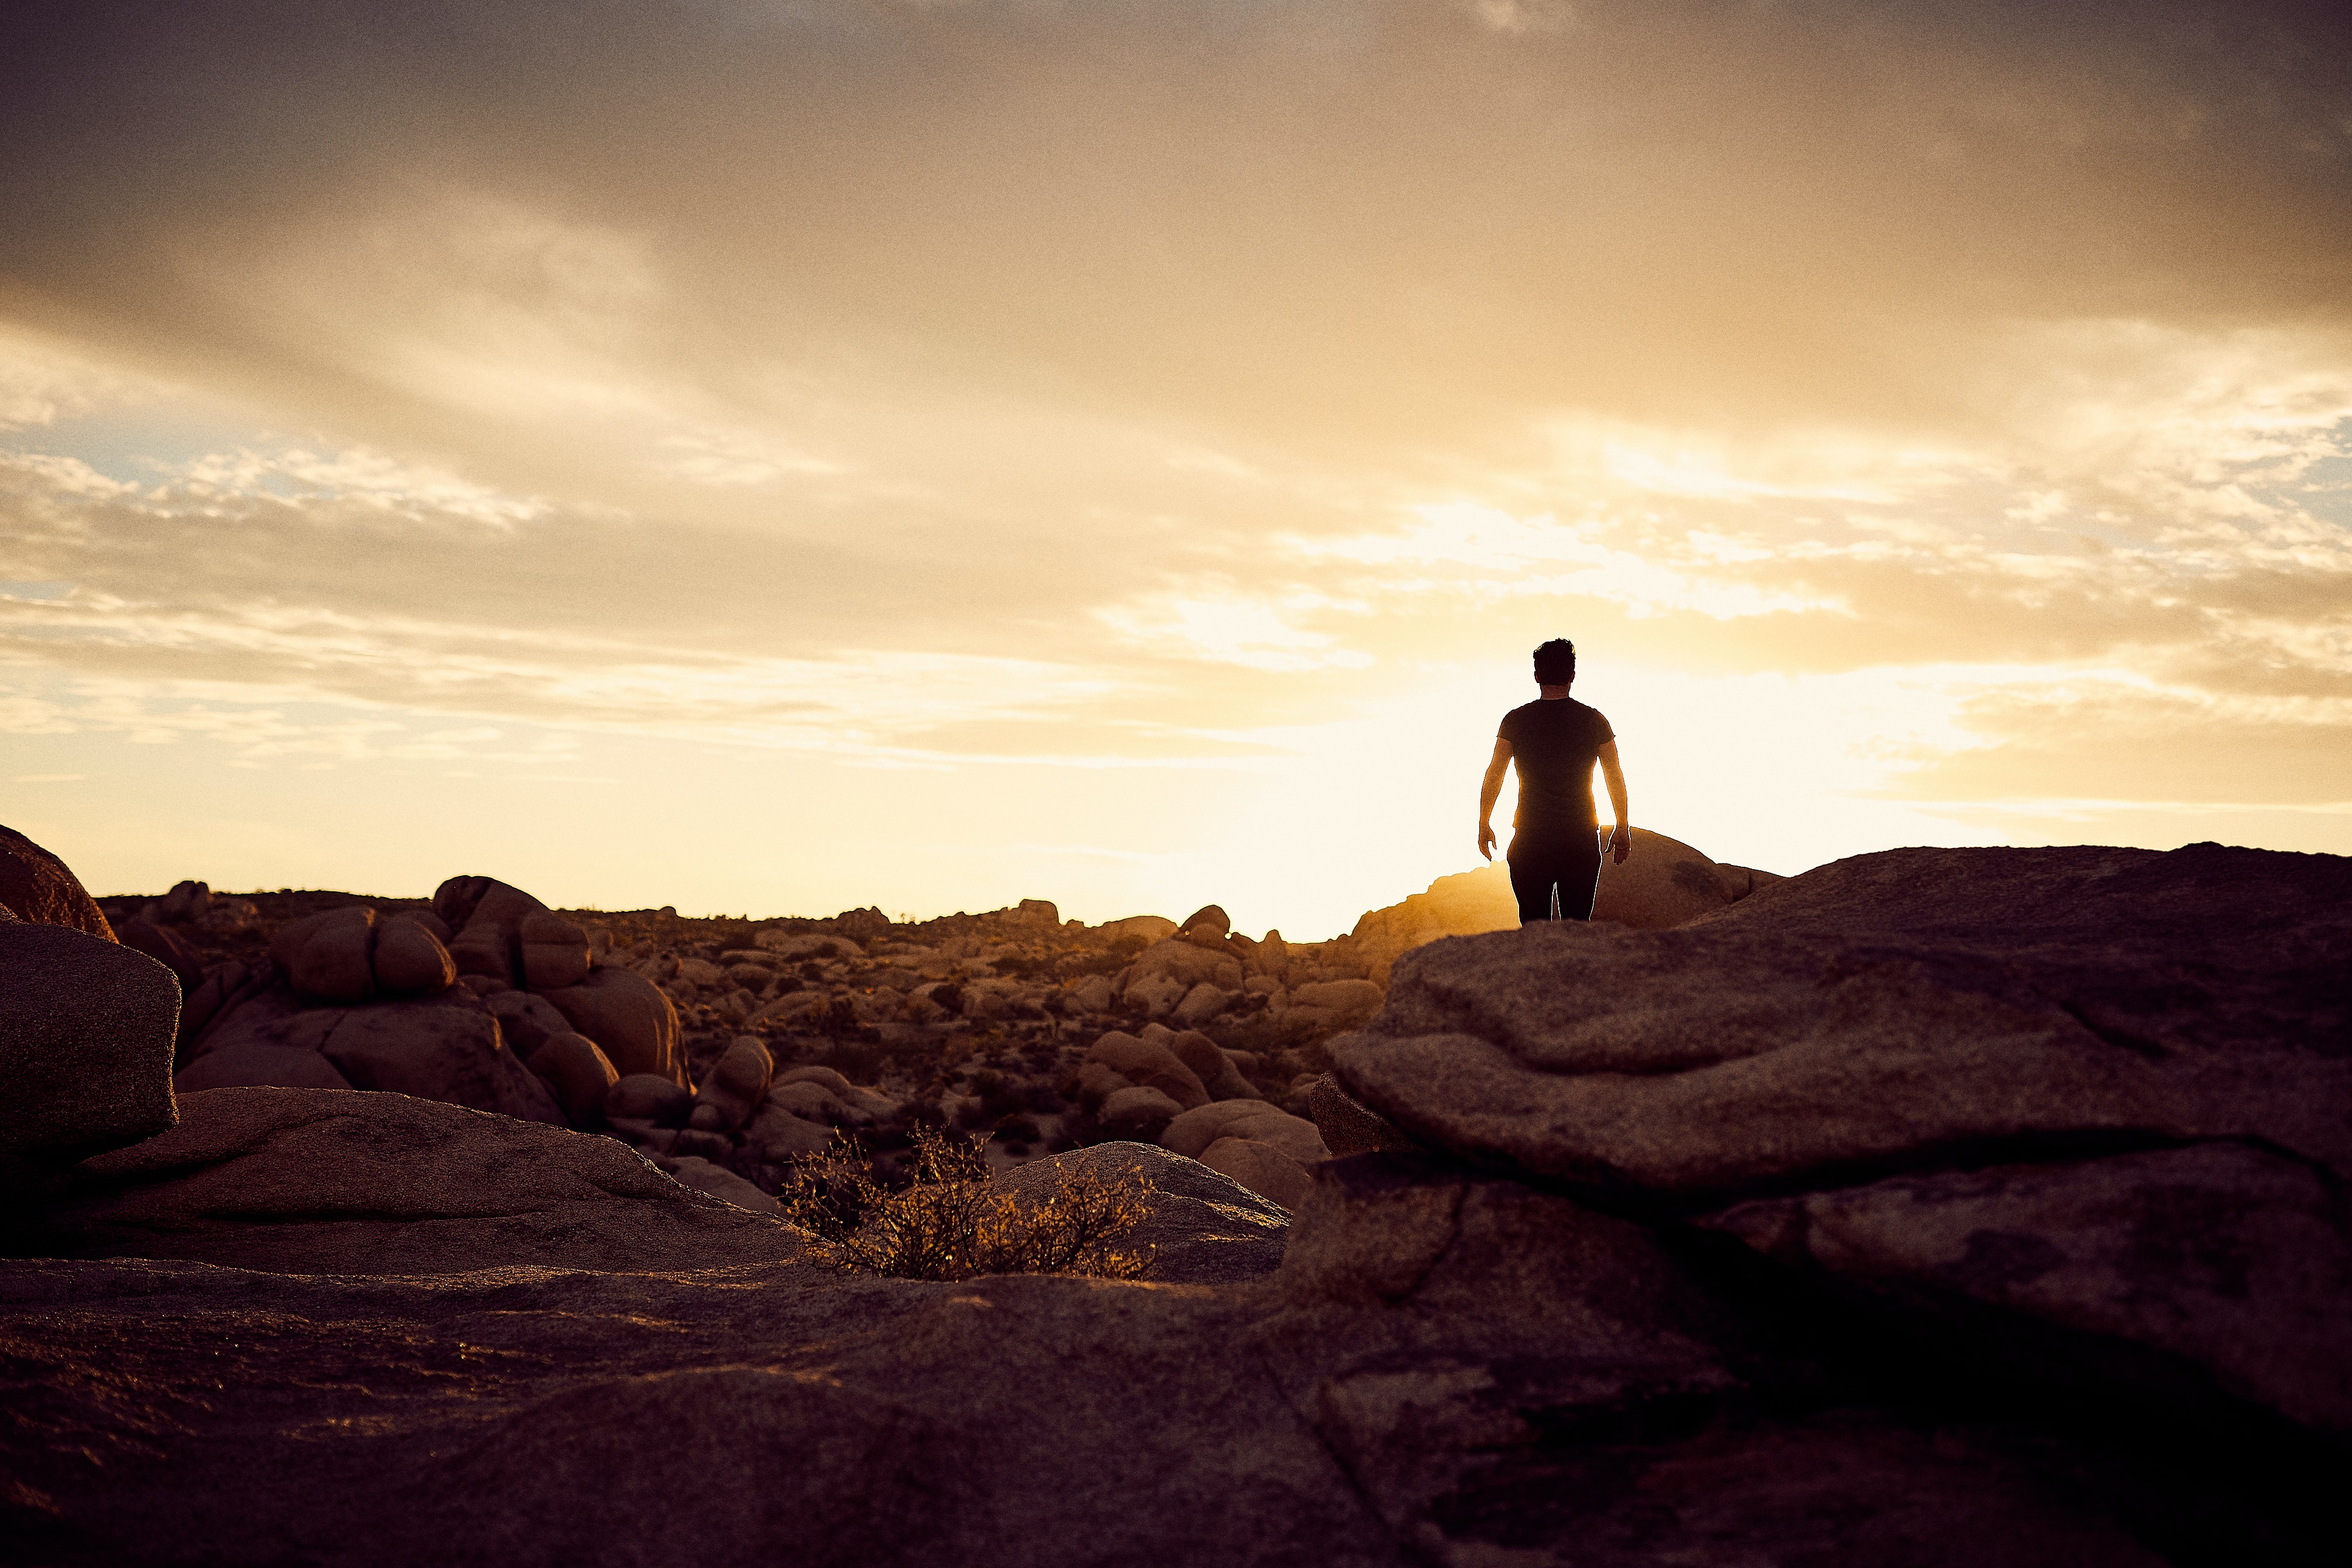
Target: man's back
column 1555, row 743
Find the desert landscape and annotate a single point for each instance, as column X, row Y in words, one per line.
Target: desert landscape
column 1933, row 1207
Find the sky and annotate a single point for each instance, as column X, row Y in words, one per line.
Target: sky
column 773, row 456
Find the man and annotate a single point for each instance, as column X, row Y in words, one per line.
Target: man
column 1555, row 853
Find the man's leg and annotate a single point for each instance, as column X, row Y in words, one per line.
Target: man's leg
column 1531, row 884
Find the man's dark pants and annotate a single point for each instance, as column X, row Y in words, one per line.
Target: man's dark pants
column 1568, row 862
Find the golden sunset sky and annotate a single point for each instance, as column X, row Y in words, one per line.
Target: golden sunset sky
column 774, row 455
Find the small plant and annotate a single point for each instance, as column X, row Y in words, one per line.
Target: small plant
column 953, row 1222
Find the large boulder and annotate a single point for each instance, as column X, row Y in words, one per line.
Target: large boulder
column 578, row 1075
column 1866, row 1011
column 629, row 1018
column 167, row 947
column 1149, row 1065
column 310, row 1181
column 734, row 1086
column 87, row 1028
column 1188, row 965
column 1664, row 883
column 488, row 916
column 326, row 956
column 38, row 887
column 447, row 1050
column 2226, row 1265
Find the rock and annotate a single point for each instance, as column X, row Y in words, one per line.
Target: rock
column 269, row 1015
column 488, row 916
column 1261, row 1168
column 2227, row 1261
column 792, row 946
column 1209, row 915
column 1151, row 928
column 809, row 1102
column 1884, row 1008
column 313, row 1181
column 827, row 1077
column 87, row 1029
column 629, row 1016
column 1157, row 994
column 1214, row 1068
column 168, row 948
column 780, row 1135
column 1183, row 962
column 1149, row 1066
column 717, row 1181
column 1348, row 1127
column 326, row 956
column 734, row 1086
column 1204, row 1228
column 224, row 988
column 554, row 951
column 409, row 960
column 1136, row 1112
column 258, row 1066
column 1191, row 1134
column 651, row 1097
column 447, row 1050
column 188, row 901
column 38, row 888
column 1201, row 1003
column 526, row 1021
column 1092, row 995
column 1340, row 1004
column 1445, row 1369
column 578, row 1074
column 1663, row 883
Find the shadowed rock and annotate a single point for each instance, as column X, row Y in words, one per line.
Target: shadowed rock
column 332, row 1181
column 38, row 887
column 86, row 1034
column 1882, row 1009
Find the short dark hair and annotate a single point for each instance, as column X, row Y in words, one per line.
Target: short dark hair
column 1556, row 663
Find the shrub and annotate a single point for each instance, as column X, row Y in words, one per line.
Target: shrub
column 953, row 1222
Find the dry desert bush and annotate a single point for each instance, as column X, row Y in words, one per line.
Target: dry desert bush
column 953, row 1222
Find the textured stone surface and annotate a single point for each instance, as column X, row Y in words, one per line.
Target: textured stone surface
column 447, row 1050
column 256, row 1067
column 332, row 1181
column 2227, row 1265
column 629, row 1018
column 1348, row 1127
column 1886, row 1010
column 38, row 887
column 87, row 1029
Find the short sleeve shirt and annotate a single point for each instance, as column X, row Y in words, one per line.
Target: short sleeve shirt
column 1554, row 745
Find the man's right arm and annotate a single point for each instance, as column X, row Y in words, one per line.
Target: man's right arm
column 1489, row 792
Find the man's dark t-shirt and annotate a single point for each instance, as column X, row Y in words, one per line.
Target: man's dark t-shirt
column 1555, row 745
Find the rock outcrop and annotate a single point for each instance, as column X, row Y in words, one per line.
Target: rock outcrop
column 38, row 887
column 309, row 1181
column 86, row 1031
column 2042, row 1264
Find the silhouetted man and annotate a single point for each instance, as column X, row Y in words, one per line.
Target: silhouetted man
column 1555, row 853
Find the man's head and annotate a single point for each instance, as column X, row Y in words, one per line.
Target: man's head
column 1556, row 663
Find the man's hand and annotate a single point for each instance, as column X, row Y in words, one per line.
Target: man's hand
column 1486, row 839
column 1621, row 844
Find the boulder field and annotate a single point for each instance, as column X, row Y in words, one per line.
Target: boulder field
column 1932, row 1207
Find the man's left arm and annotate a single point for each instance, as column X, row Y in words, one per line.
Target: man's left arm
column 1620, row 843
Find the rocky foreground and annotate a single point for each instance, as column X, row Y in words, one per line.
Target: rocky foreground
column 1935, row 1207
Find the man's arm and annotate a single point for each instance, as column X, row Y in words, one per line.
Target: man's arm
column 1620, row 843
column 1487, row 792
